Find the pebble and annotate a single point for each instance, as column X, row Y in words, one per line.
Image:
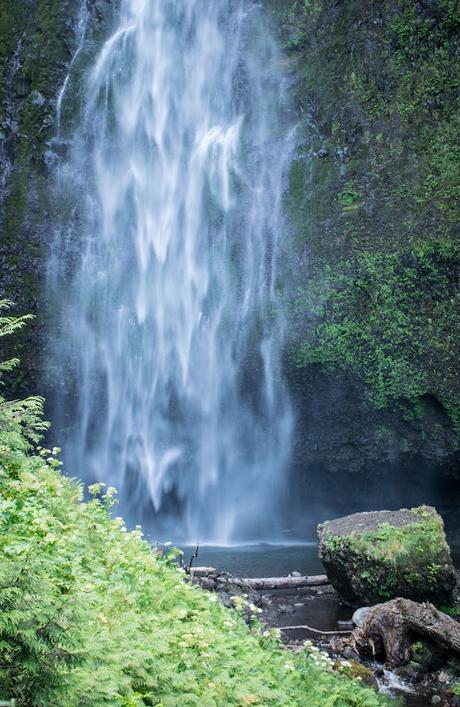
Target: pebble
column 444, row 677
column 435, row 700
column 37, row 98
column 349, row 653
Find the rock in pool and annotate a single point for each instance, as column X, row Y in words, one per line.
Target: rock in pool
column 372, row 557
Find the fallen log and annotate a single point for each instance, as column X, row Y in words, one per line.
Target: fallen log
column 201, row 571
column 390, row 629
column 257, row 583
column 289, row 582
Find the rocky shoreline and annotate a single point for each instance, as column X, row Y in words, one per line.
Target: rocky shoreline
column 311, row 615
column 369, row 616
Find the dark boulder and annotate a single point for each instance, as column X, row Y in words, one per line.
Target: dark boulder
column 373, row 557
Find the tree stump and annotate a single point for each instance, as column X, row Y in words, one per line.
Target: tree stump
column 390, row 629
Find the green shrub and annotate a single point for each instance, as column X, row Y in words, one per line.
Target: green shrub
column 90, row 615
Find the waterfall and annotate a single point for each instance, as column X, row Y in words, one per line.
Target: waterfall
column 165, row 272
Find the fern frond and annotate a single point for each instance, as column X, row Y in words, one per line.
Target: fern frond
column 7, row 366
column 8, row 323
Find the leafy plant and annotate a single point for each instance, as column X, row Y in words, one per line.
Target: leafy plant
column 350, row 198
column 90, row 614
column 20, row 419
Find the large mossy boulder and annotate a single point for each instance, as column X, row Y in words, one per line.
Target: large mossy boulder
column 372, row 557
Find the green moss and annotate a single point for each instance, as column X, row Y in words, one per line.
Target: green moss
column 12, row 19
column 350, row 198
column 379, row 218
column 36, row 35
column 423, row 539
column 421, row 654
column 36, row 42
column 358, row 671
column 15, row 206
column 410, row 559
column 392, row 319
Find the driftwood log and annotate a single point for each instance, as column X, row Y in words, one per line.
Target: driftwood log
column 390, row 629
column 259, row 583
column 319, row 580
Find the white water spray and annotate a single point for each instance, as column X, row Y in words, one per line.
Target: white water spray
column 82, row 23
column 172, row 328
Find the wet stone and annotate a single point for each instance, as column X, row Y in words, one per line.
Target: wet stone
column 360, row 615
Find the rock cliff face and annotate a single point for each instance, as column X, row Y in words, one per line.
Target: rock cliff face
column 374, row 203
column 373, row 198
column 38, row 39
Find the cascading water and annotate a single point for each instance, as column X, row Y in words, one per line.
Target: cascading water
column 172, row 328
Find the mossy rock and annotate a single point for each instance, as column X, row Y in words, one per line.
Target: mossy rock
column 358, row 671
column 377, row 556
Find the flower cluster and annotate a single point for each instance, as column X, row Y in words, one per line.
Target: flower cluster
column 319, row 658
column 50, row 456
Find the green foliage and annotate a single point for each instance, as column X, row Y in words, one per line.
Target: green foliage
column 420, row 653
column 424, row 67
column 408, row 560
column 9, row 325
column 20, row 420
column 378, row 218
column 91, row 615
column 386, row 316
column 423, row 539
column 350, row 198
column 296, row 14
column 453, row 611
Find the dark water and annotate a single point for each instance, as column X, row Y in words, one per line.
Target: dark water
column 262, row 560
column 266, row 560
